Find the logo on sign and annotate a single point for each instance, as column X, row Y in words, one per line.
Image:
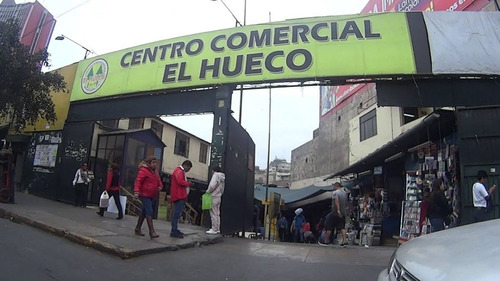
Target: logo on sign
column 94, row 76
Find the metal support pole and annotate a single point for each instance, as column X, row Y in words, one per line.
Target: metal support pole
column 266, row 209
column 241, row 89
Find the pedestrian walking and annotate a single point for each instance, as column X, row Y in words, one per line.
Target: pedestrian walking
column 216, row 188
column 113, row 189
column 296, row 227
column 146, row 188
column 336, row 218
column 80, row 184
column 178, row 195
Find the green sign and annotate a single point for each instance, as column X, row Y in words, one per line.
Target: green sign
column 311, row 48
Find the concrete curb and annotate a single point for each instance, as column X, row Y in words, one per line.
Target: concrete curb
column 102, row 246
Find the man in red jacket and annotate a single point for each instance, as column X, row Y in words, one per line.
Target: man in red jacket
column 178, row 195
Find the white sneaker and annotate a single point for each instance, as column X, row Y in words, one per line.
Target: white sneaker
column 211, row 231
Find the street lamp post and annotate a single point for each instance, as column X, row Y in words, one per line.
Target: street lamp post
column 87, row 51
column 232, row 14
column 238, row 23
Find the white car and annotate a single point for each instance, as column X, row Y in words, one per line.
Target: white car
column 469, row 253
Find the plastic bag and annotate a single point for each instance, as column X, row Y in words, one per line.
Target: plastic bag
column 104, row 200
column 206, row 201
column 112, row 205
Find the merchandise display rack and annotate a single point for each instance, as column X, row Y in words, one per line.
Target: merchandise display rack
column 411, row 210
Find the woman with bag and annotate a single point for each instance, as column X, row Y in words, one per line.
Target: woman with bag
column 146, row 188
column 113, row 190
column 216, row 189
column 80, row 183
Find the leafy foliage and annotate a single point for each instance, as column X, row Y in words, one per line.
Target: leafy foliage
column 24, row 88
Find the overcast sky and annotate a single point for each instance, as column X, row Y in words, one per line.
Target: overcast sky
column 110, row 25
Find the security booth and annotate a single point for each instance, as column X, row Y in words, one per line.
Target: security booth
column 127, row 148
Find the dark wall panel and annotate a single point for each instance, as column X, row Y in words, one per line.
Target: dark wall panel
column 237, row 202
column 77, row 144
column 479, row 150
column 38, row 175
column 143, row 106
column 438, row 92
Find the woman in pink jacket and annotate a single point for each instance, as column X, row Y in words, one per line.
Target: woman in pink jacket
column 146, row 188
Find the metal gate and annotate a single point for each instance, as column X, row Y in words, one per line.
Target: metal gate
column 479, row 150
column 237, row 202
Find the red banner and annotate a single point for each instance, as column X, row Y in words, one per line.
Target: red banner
column 451, row 5
column 332, row 96
column 379, row 6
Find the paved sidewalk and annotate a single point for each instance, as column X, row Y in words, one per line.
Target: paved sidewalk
column 84, row 226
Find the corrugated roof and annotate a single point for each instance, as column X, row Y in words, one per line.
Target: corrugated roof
column 291, row 195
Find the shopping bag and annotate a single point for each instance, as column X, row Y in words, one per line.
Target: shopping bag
column 112, row 206
column 206, row 201
column 104, row 200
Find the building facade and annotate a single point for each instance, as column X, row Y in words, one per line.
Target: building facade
column 36, row 24
column 381, row 151
column 279, row 173
column 180, row 144
column 351, row 124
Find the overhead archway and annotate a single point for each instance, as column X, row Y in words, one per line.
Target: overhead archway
column 197, row 73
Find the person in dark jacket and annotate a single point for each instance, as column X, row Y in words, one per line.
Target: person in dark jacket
column 113, row 189
column 438, row 206
column 178, row 195
column 282, row 226
column 146, row 188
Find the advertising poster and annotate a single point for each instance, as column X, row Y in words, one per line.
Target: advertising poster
column 327, row 99
column 332, row 96
column 45, row 155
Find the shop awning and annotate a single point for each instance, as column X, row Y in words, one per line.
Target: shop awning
column 309, row 194
column 139, row 134
column 433, row 127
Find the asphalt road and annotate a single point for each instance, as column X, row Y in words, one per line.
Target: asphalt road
column 27, row 253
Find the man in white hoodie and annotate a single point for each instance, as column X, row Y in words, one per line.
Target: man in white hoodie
column 216, row 188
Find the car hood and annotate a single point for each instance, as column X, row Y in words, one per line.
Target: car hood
column 470, row 252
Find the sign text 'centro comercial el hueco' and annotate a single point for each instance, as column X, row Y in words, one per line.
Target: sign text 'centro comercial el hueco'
column 313, row 48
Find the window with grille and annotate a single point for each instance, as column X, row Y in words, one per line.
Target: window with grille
column 203, row 153
column 181, row 145
column 157, row 128
column 368, row 125
column 135, row 123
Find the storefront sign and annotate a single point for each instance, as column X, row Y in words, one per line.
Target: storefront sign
column 306, row 48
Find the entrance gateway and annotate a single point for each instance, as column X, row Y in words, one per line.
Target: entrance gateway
column 197, row 74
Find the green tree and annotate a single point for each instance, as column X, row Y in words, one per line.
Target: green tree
column 24, row 88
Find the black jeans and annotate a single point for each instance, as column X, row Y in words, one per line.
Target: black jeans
column 480, row 214
column 116, row 196
column 81, row 194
